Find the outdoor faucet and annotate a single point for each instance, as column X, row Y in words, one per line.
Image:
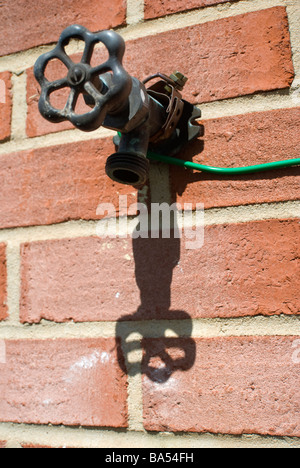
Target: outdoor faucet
column 154, row 118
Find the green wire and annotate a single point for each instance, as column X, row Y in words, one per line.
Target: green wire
column 222, row 170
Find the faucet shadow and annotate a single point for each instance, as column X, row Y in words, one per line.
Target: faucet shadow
column 155, row 260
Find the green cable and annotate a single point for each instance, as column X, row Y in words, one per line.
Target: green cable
column 222, row 170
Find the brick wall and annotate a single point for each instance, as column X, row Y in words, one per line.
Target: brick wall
column 143, row 342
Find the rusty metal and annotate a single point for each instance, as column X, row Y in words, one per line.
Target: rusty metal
column 165, row 92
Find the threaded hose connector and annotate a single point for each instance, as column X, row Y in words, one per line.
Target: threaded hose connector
column 128, row 168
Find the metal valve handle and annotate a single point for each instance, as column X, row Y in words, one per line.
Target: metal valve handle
column 102, row 94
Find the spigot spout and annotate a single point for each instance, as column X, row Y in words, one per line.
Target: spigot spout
column 129, row 165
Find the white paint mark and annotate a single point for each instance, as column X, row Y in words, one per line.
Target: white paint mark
column 104, row 358
column 162, row 384
column 47, row 402
column 86, row 362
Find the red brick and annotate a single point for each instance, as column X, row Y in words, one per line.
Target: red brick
column 58, row 183
column 5, row 106
column 226, row 58
column 238, row 385
column 242, row 140
column 72, row 382
column 157, row 8
column 223, row 59
column 27, row 25
column 243, row 269
column 85, row 279
column 3, row 282
column 37, row 446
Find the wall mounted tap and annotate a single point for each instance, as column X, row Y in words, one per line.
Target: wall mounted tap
column 154, row 117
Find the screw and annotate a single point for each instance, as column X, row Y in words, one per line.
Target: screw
column 179, row 80
column 77, row 75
